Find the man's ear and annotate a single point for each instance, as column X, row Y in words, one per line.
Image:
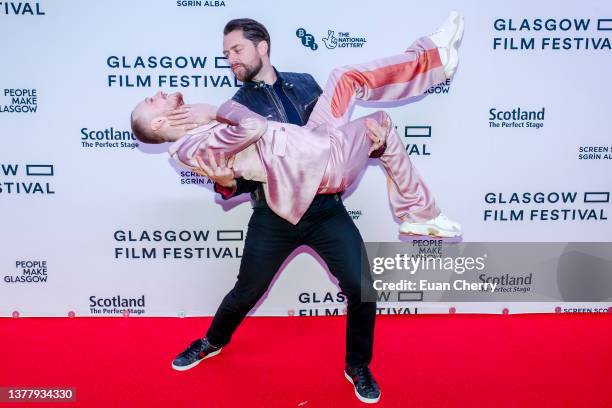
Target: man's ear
column 157, row 123
column 262, row 47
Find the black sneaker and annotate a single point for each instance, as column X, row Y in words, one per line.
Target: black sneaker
column 196, row 352
column 366, row 388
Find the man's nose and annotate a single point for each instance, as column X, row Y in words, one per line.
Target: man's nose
column 158, row 94
column 232, row 59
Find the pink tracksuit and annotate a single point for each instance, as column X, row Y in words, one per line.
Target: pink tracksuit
column 327, row 154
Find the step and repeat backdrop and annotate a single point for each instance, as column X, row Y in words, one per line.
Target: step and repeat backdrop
column 517, row 148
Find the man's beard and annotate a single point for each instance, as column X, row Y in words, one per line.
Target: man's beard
column 250, row 71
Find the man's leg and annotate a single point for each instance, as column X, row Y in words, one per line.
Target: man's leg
column 409, row 196
column 269, row 241
column 331, row 232
column 392, row 79
column 333, row 235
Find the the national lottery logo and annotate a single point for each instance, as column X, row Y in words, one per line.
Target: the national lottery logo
column 21, row 8
column 355, row 214
column 342, row 39
column 333, row 39
column 19, row 100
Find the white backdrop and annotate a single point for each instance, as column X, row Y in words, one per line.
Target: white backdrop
column 76, row 207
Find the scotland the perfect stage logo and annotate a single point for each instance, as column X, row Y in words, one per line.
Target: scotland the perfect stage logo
column 117, row 305
column 109, row 138
column 516, row 118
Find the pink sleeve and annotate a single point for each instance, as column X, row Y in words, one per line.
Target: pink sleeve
column 245, row 128
column 239, row 129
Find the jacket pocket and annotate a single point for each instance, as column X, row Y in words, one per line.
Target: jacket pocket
column 279, row 144
column 308, row 106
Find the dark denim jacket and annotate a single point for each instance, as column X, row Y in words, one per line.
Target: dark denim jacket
column 301, row 89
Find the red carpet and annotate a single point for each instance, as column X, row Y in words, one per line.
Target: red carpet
column 420, row 361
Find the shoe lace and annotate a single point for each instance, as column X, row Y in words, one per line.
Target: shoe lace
column 193, row 349
column 365, row 377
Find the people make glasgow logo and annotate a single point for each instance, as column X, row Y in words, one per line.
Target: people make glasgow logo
column 20, row 100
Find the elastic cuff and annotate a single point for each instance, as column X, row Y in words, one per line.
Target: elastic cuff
column 226, row 192
column 378, row 152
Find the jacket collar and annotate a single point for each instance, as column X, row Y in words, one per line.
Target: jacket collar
column 261, row 84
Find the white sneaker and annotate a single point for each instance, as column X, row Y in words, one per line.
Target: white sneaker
column 447, row 39
column 441, row 226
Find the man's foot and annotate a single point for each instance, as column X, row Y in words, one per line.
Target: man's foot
column 440, row 226
column 447, row 39
column 366, row 388
column 198, row 350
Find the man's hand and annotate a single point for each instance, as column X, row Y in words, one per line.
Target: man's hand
column 192, row 116
column 377, row 133
column 221, row 173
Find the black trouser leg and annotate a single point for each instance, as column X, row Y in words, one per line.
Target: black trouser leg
column 269, row 241
column 334, row 236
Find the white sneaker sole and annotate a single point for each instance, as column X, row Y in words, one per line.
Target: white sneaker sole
column 425, row 229
column 187, row 367
column 359, row 397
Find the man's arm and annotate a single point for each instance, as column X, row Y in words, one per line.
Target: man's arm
column 237, row 187
column 192, row 116
column 243, row 128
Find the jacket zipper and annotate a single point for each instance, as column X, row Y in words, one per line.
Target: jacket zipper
column 278, row 104
column 295, row 107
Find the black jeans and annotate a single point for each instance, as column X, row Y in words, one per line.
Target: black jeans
column 328, row 229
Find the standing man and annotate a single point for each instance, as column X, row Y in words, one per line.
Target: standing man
column 326, row 226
